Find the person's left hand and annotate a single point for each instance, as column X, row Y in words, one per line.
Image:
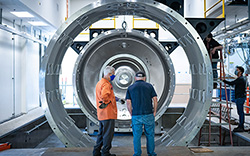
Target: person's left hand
column 122, row 101
column 213, row 51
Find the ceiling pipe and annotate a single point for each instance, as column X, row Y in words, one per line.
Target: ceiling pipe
column 21, row 34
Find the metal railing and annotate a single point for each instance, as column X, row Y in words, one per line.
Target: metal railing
column 207, row 10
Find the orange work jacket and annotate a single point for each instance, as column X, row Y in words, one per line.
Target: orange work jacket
column 105, row 93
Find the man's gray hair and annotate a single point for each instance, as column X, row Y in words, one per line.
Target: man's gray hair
column 108, row 70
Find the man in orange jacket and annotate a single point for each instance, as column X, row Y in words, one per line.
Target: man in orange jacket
column 106, row 113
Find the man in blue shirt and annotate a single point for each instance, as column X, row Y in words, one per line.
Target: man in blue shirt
column 240, row 96
column 139, row 102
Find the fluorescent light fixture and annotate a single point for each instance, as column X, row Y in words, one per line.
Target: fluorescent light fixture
column 37, row 23
column 22, row 14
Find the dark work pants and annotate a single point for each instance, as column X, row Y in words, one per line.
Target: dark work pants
column 104, row 138
column 240, row 110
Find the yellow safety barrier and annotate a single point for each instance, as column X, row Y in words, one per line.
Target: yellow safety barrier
column 143, row 19
column 133, row 23
column 84, row 33
column 107, row 19
column 223, row 8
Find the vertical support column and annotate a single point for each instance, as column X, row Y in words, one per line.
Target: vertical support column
column 14, row 75
column 21, row 25
column 14, row 23
column 222, row 75
column 205, row 8
column 209, row 130
column 1, row 15
column 223, row 8
column 248, row 9
column 40, row 60
column 67, row 10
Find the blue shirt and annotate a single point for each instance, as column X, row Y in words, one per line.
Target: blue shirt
column 141, row 94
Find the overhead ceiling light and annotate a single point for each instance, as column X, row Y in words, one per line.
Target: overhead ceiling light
column 22, row 14
column 37, row 23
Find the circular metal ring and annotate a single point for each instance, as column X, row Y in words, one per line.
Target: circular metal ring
column 143, row 53
column 193, row 117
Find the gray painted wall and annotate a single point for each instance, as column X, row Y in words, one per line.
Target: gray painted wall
column 19, row 60
column 52, row 11
column 6, row 89
column 75, row 5
column 19, row 80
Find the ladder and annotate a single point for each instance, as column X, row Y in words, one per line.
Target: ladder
column 219, row 109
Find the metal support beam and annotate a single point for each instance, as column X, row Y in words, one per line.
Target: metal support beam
column 238, row 3
column 151, row 32
column 204, row 26
column 94, row 32
column 1, row 16
column 78, row 46
column 21, row 34
column 224, row 34
column 248, row 9
column 176, row 5
column 40, row 60
column 170, row 46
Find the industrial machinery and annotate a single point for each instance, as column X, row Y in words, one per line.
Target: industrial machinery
column 128, row 51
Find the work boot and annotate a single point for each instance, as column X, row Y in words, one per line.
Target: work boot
column 97, row 154
column 238, row 129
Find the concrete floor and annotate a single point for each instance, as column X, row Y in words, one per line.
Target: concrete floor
column 122, row 146
column 128, row 151
column 119, row 140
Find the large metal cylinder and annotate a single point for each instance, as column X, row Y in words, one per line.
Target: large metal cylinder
column 126, row 62
column 128, row 51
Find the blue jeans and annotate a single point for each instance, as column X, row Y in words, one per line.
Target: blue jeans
column 149, row 129
column 240, row 110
